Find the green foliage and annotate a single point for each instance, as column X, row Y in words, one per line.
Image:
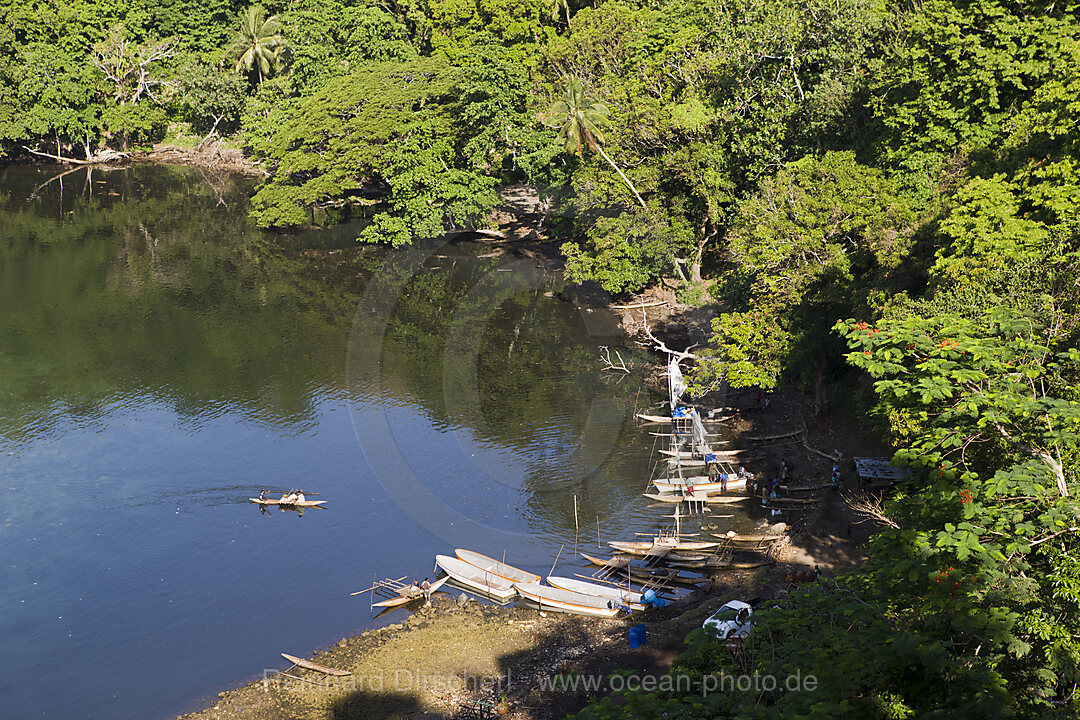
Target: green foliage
column 961, row 69
column 405, row 125
column 213, row 99
column 626, row 252
column 814, row 238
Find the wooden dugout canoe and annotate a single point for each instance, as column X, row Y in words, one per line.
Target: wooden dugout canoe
column 300, row 662
column 696, row 497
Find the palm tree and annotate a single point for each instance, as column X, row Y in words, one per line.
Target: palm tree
column 556, row 6
column 582, row 121
column 258, row 45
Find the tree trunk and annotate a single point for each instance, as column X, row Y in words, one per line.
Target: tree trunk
column 626, row 180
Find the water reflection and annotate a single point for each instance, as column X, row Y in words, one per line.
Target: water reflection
column 162, row 361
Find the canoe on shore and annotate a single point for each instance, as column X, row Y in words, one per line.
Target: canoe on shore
column 660, row 547
column 493, row 566
column 609, row 592
column 300, row 662
column 473, row 578
column 616, row 563
column 782, row 502
column 303, row 503
column 566, row 600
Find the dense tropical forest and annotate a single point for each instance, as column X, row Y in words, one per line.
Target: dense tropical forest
column 874, row 193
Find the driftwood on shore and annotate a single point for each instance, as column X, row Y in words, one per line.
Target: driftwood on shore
column 101, row 157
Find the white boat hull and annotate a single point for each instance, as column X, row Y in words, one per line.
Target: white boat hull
column 493, row 566
column 566, row 600
column 608, row 592
column 475, row 579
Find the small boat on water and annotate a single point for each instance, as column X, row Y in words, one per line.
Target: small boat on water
column 699, row 483
column 696, row 496
column 585, row 587
column 613, row 562
column 655, row 576
column 566, row 600
column 660, row 545
column 473, row 578
column 299, row 503
column 720, row 563
column 699, row 452
column 491, row 565
column 408, row 593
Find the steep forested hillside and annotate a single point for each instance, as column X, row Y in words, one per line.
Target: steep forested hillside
column 886, row 187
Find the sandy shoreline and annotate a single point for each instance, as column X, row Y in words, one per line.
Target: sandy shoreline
column 438, row 659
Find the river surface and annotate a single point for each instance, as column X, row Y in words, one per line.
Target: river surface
column 162, row 361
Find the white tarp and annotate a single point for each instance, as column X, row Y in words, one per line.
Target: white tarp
column 675, row 382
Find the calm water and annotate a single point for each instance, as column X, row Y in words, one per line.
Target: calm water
column 161, row 361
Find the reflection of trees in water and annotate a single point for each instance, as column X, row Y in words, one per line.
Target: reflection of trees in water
column 156, row 289
column 152, row 287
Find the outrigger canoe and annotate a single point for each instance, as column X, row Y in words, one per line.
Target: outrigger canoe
column 304, row 503
column 654, row 547
column 613, row 562
column 696, row 497
column 700, row 484
column 408, row 593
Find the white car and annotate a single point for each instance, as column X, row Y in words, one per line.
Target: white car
column 730, row 621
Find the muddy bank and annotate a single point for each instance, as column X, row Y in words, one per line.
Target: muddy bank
column 212, row 156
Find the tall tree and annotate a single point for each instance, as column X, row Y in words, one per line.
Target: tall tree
column 259, row 44
column 582, row 120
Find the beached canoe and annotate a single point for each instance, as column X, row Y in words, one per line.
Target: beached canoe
column 613, row 562
column 660, row 546
column 495, row 567
column 566, row 600
column 315, row 666
column 609, row 592
column 748, row 541
column 473, row 578
column 789, row 502
column 305, row 503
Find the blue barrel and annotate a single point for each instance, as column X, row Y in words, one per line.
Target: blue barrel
column 637, row 635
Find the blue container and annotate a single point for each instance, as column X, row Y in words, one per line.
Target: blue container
column 637, row 635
